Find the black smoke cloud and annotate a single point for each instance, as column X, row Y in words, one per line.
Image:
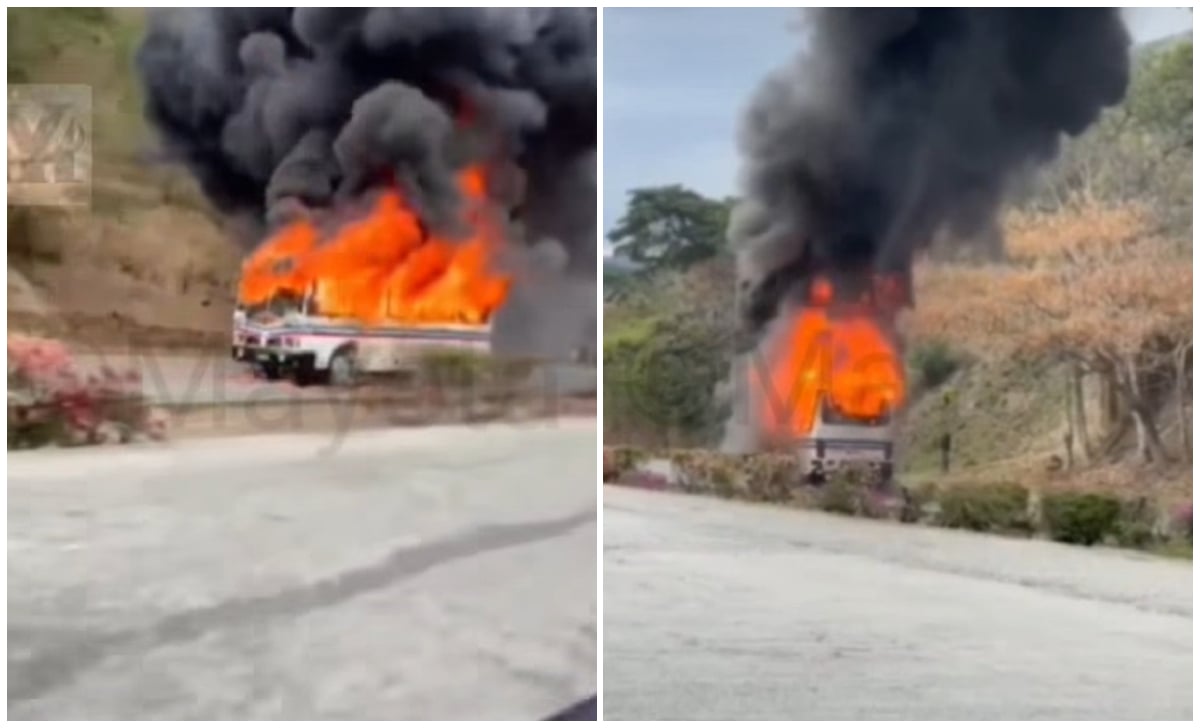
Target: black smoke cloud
column 900, row 123
column 895, row 125
column 280, row 111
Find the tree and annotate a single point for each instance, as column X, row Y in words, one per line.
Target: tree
column 1160, row 98
column 670, row 227
column 1089, row 285
column 667, row 343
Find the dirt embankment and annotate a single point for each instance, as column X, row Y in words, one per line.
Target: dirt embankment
column 145, row 264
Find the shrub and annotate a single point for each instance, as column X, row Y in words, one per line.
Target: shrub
column 723, row 477
column 1135, row 524
column 51, row 402
column 609, row 471
column 647, row 480
column 995, row 507
column 933, row 363
column 620, row 460
column 1080, row 518
column 1181, row 520
column 691, row 468
column 848, row 491
column 838, row 496
column 771, row 477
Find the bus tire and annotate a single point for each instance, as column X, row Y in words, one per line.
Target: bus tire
column 270, row 371
column 343, row 370
column 305, row 375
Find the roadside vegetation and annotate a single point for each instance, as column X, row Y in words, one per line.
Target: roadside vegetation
column 53, row 401
column 1079, row 516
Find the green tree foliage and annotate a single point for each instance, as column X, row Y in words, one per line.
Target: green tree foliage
column 667, row 343
column 1160, row 97
column 670, row 227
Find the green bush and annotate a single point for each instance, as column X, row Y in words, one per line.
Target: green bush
column 660, row 374
column 1080, row 518
column 933, row 363
column 993, row 507
column 1135, row 527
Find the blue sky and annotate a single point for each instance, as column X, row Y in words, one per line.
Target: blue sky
column 675, row 81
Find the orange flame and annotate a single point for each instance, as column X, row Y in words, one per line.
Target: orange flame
column 385, row 267
column 839, row 355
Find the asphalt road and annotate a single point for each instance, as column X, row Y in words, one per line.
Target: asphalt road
column 192, row 379
column 716, row 610
column 426, row 573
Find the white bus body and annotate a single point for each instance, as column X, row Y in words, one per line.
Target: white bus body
column 311, row 349
column 836, row 442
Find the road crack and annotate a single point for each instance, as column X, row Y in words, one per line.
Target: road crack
column 58, row 666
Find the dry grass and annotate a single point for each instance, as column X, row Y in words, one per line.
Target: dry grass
column 147, row 257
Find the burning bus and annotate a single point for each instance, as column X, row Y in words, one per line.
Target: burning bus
column 891, row 129
column 381, row 290
column 397, row 171
column 829, row 378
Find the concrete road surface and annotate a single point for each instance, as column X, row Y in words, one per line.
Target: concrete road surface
column 438, row 573
column 716, row 610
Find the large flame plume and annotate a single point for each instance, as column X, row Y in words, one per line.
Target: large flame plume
column 387, row 267
column 828, row 355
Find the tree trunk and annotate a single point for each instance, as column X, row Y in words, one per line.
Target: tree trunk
column 1110, row 406
column 1069, row 435
column 1150, row 446
column 1079, row 412
column 1181, row 388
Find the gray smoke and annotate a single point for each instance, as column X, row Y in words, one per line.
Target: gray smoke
column 280, row 112
column 896, row 125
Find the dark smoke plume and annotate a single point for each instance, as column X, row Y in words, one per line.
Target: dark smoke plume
column 898, row 124
column 279, row 111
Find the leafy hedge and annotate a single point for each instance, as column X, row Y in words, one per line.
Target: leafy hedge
column 52, row 401
column 994, row 507
column 1080, row 517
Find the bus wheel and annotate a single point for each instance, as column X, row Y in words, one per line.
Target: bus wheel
column 270, row 371
column 342, row 369
column 304, row 375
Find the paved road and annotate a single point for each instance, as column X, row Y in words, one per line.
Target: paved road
column 437, row 573
column 188, row 379
column 720, row 610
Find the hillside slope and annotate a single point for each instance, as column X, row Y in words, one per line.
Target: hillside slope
column 147, row 263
